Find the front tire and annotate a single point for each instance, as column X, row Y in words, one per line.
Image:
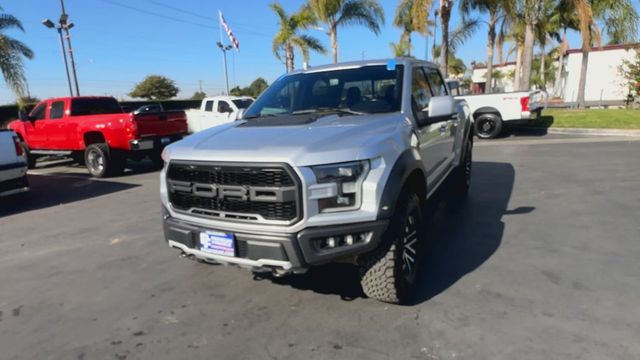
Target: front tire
column 101, row 162
column 488, row 126
column 31, row 159
column 389, row 273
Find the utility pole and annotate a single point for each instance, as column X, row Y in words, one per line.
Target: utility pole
column 66, row 26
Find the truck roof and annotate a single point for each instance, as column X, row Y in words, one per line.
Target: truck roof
column 78, row 97
column 226, row 97
column 354, row 64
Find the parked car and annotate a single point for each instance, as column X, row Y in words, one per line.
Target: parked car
column 149, row 108
column 216, row 110
column 330, row 164
column 492, row 112
column 13, row 165
column 96, row 131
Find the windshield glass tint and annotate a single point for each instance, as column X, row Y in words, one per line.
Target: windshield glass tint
column 81, row 107
column 242, row 103
column 368, row 89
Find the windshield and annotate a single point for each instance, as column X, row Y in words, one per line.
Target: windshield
column 242, row 103
column 363, row 90
column 96, row 106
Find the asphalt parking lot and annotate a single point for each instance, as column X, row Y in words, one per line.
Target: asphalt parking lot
column 540, row 261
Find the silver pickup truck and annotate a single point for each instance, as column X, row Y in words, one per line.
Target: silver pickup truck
column 13, row 165
column 332, row 163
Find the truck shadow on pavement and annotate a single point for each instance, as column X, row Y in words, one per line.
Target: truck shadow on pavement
column 462, row 234
column 533, row 128
column 58, row 189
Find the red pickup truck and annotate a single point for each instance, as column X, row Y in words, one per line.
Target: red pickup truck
column 95, row 131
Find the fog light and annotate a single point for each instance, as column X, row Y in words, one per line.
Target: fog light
column 331, row 242
column 348, row 240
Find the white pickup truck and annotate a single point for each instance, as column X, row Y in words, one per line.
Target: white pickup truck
column 492, row 111
column 13, row 165
column 216, row 111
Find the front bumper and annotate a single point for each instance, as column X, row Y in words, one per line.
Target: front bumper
column 289, row 252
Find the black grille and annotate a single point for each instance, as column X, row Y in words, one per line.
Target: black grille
column 225, row 175
column 233, row 208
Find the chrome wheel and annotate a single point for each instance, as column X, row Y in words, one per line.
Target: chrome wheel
column 95, row 161
column 410, row 249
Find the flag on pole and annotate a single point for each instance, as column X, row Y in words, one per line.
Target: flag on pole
column 226, row 27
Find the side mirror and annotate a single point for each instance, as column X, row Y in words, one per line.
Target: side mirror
column 240, row 114
column 22, row 115
column 441, row 108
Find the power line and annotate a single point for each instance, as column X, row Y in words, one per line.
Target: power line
column 166, row 17
column 209, row 18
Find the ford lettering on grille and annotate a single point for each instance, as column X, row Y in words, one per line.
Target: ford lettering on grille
column 235, row 192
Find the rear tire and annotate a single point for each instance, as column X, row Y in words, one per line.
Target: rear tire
column 103, row 162
column 488, row 126
column 389, row 273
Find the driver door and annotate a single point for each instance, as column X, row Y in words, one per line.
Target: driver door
column 430, row 133
column 35, row 128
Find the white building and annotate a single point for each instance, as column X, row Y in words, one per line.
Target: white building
column 604, row 82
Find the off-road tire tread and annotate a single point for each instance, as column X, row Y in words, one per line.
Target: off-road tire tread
column 380, row 272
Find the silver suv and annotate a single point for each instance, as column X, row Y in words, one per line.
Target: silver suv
column 329, row 164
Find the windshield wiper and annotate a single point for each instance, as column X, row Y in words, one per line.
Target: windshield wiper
column 338, row 111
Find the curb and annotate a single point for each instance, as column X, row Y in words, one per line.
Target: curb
column 592, row 132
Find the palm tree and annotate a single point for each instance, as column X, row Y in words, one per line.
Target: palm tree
column 400, row 49
column 547, row 28
column 531, row 13
column 412, row 16
column 498, row 10
column 12, row 52
column 288, row 37
column 620, row 24
column 338, row 13
column 446, row 6
column 620, row 20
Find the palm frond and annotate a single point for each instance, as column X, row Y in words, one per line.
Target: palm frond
column 9, row 22
column 368, row 13
column 462, row 33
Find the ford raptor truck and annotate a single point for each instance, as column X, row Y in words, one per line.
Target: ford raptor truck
column 329, row 164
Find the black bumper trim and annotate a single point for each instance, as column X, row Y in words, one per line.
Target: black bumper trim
column 298, row 249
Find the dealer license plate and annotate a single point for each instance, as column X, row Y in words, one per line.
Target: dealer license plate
column 217, row 243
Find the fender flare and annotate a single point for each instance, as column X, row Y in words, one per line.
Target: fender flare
column 407, row 163
column 486, row 110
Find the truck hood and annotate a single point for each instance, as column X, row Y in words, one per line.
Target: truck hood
column 327, row 139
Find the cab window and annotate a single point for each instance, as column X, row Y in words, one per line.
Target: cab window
column 223, row 107
column 57, row 110
column 208, row 106
column 435, row 81
column 420, row 95
column 39, row 112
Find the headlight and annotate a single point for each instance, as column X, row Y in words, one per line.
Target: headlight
column 348, row 178
column 165, row 154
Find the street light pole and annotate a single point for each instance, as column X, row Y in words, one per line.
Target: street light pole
column 224, row 50
column 66, row 26
column 48, row 23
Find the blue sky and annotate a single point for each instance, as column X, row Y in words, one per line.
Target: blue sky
column 118, row 42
